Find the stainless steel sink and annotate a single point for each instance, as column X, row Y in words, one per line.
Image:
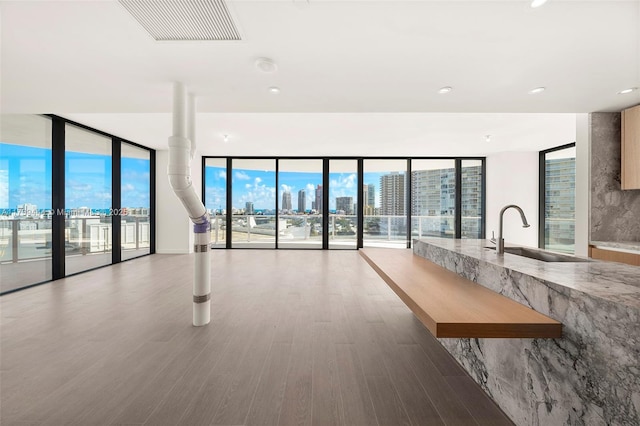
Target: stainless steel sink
column 542, row 255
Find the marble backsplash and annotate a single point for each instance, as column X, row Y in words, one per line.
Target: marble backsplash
column 615, row 214
column 591, row 376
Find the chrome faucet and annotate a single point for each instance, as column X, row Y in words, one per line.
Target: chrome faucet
column 525, row 224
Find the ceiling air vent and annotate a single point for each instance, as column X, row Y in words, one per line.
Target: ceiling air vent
column 168, row 20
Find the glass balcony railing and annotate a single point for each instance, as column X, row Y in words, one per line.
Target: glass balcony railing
column 305, row 231
column 28, row 239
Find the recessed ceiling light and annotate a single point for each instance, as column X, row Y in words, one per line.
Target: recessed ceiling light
column 487, row 138
column 266, row 65
column 538, row 3
column 629, row 90
column 537, row 90
column 445, row 89
column 274, row 90
column 225, row 138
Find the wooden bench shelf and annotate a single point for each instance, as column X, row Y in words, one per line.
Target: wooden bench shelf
column 452, row 306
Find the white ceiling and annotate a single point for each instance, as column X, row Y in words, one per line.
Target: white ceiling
column 91, row 61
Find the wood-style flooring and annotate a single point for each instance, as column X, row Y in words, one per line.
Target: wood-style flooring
column 296, row 338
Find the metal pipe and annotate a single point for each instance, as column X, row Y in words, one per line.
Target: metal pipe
column 181, row 152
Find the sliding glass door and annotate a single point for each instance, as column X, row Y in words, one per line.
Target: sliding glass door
column 299, row 218
column 343, row 196
column 88, row 230
column 253, row 188
column 385, row 195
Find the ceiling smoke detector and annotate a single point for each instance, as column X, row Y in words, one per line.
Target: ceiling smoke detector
column 266, row 65
column 537, row 90
column 538, row 3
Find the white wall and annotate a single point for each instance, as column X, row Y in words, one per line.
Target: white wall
column 583, row 192
column 512, row 178
column 173, row 228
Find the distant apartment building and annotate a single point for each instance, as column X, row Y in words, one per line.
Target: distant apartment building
column 248, row 208
column 319, row 199
column 392, row 194
column 344, row 204
column 560, row 201
column 433, row 193
column 369, row 194
column 286, row 201
column 302, row 201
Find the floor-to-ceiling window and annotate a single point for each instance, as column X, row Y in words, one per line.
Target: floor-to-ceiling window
column 343, row 196
column 135, row 184
column 558, row 198
column 384, row 208
column 433, row 198
column 215, row 198
column 25, row 200
column 299, row 217
column 63, row 188
column 342, row 203
column 471, row 198
column 253, row 189
column 88, row 203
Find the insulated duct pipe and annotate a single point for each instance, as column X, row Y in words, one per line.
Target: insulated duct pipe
column 181, row 152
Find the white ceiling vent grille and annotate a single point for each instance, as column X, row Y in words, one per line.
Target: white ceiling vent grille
column 184, row 20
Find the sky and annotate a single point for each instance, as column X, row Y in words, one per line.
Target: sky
column 259, row 187
column 25, row 177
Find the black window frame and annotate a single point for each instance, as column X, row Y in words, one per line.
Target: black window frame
column 542, row 183
column 58, row 183
column 360, row 172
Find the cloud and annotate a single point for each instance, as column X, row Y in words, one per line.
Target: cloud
column 243, row 176
column 247, row 185
column 287, row 188
column 127, row 187
column 222, row 175
column 311, row 188
column 258, row 180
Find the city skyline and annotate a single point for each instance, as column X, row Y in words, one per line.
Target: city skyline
column 25, row 178
column 258, row 187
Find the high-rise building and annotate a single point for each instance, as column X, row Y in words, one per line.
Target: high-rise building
column 344, row 204
column 560, row 203
column 392, row 194
column 248, row 208
column 319, row 198
column 286, row 201
column 433, row 193
column 369, row 195
column 302, row 201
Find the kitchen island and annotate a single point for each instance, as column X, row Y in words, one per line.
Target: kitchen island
column 589, row 376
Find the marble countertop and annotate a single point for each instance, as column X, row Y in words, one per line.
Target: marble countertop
column 633, row 246
column 611, row 281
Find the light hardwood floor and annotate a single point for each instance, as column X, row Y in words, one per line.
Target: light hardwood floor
column 296, row 338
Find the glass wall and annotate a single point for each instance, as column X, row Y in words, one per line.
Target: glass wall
column 559, row 198
column 25, row 200
column 88, row 231
column 253, row 189
column 343, row 196
column 299, row 214
column 471, row 199
column 135, row 190
column 445, row 196
column 385, row 191
column 433, row 198
column 215, row 198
